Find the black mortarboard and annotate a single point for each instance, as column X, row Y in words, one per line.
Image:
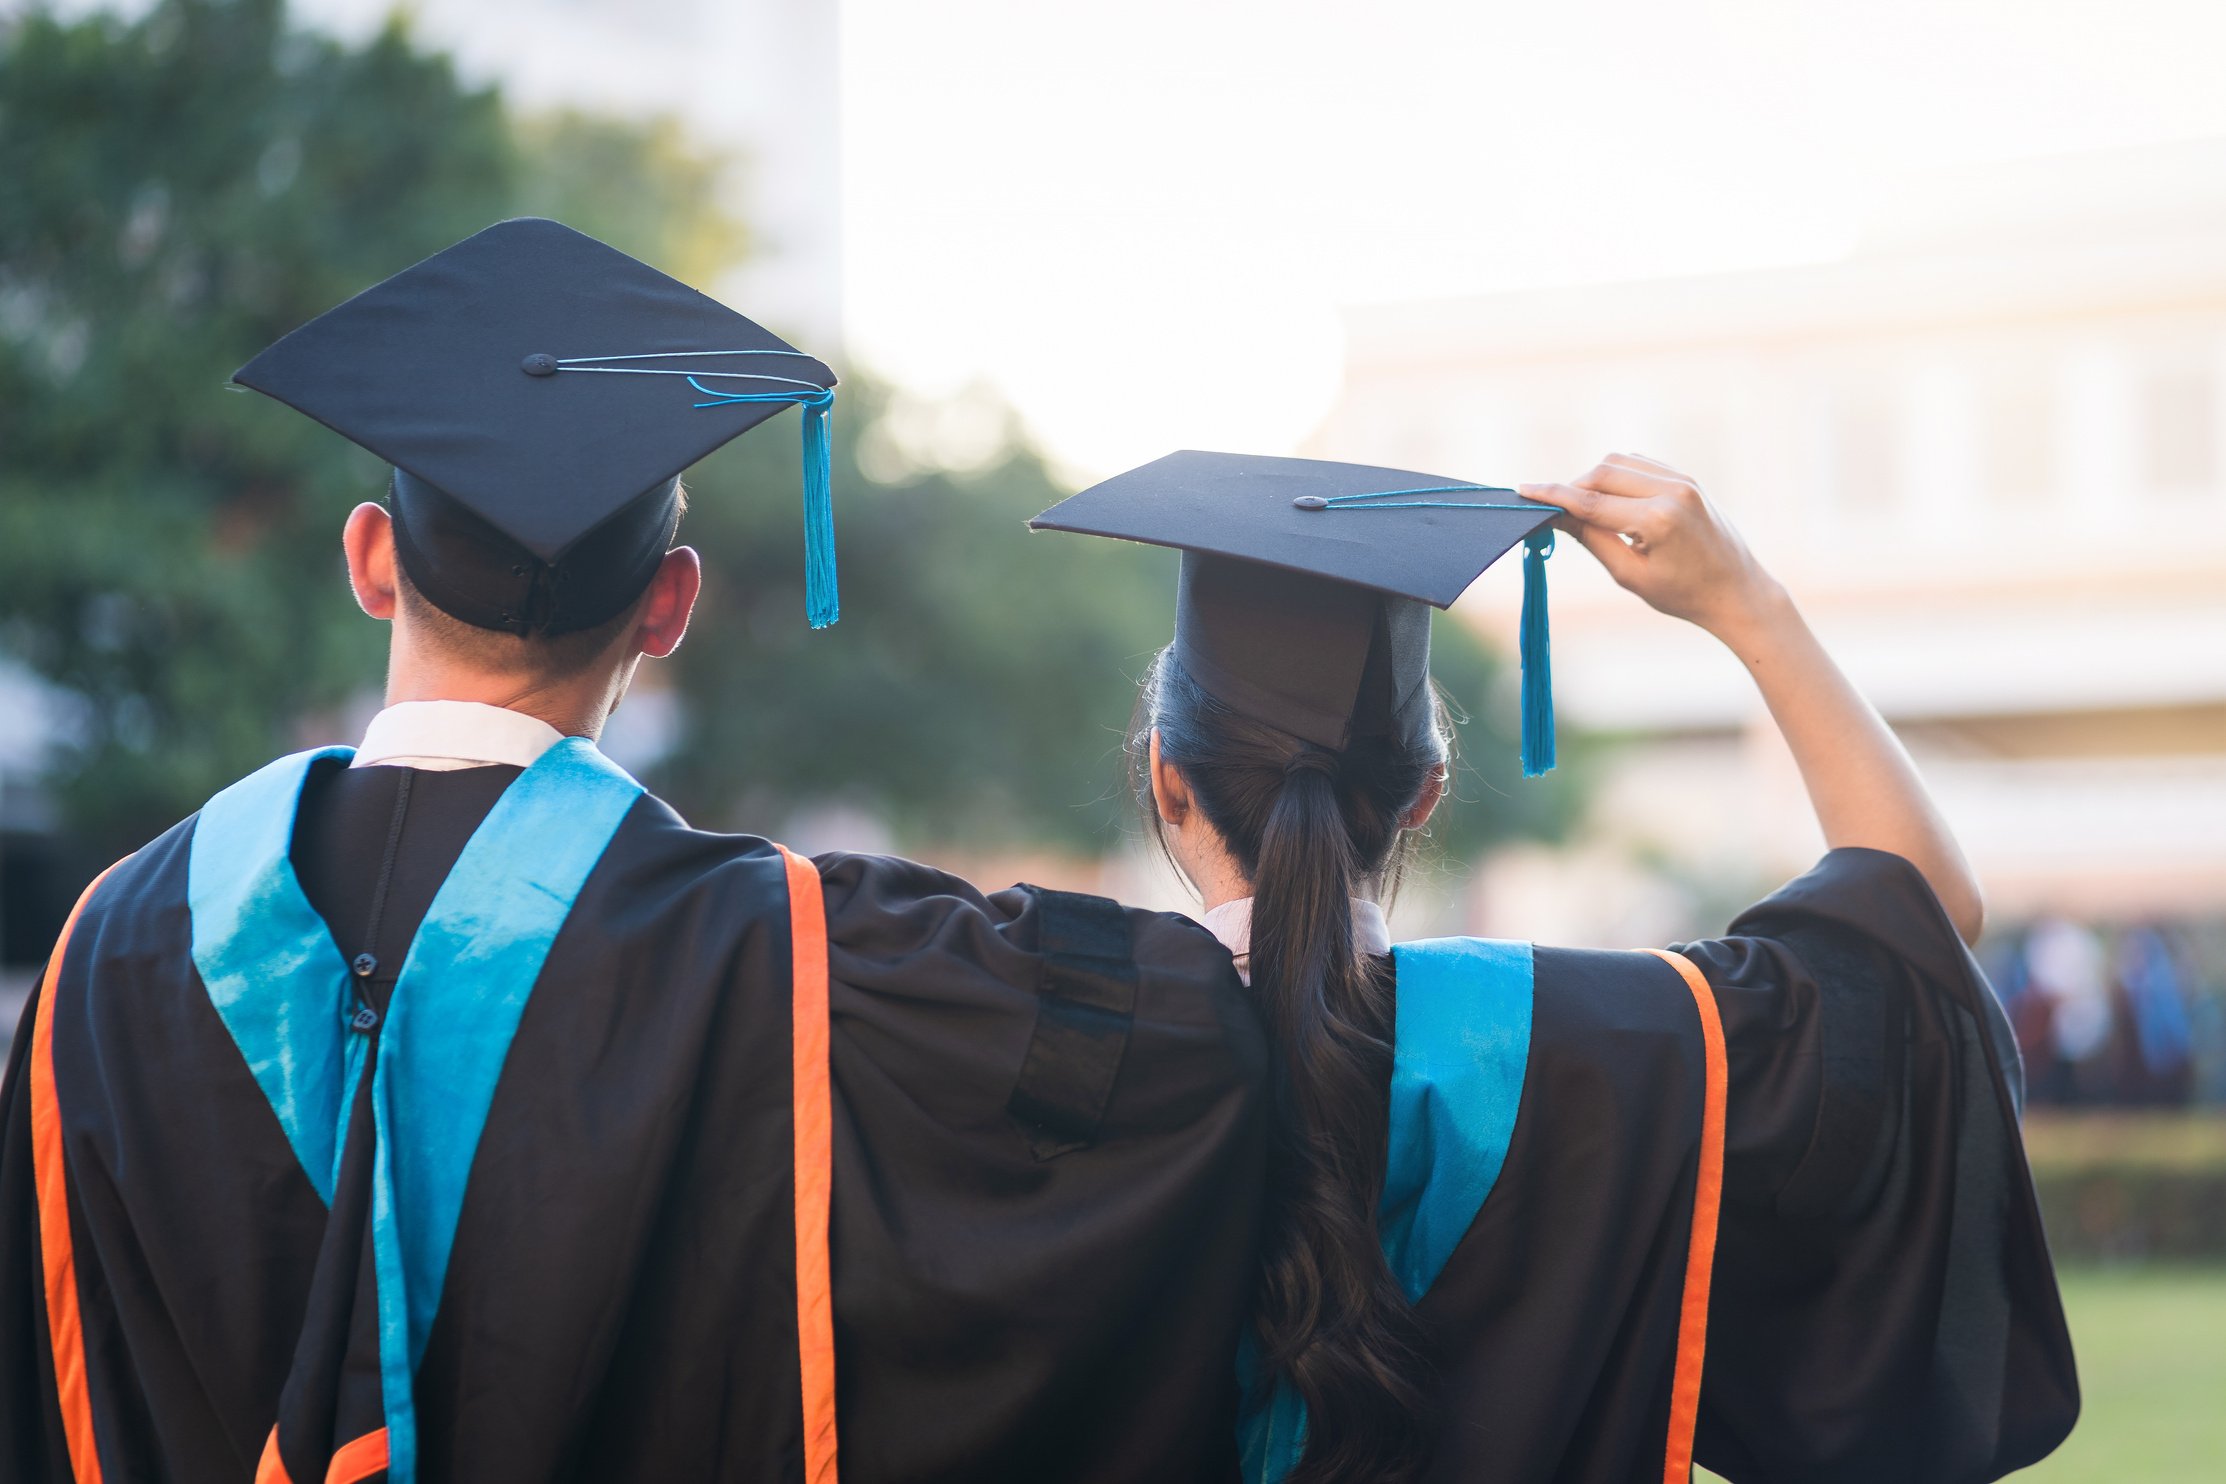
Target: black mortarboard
column 1306, row 586
column 539, row 393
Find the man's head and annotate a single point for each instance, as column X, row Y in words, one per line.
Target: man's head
column 539, row 394
column 571, row 680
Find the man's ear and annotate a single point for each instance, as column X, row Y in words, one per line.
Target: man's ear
column 368, row 539
column 1170, row 793
column 1426, row 803
column 672, row 598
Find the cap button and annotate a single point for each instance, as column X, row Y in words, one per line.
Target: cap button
column 540, row 363
column 1311, row 502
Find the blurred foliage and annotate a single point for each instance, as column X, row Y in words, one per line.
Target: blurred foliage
column 1488, row 799
column 181, row 190
column 185, row 187
column 640, row 184
column 2121, row 1186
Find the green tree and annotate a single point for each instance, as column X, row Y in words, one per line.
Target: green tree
column 181, row 190
column 185, row 187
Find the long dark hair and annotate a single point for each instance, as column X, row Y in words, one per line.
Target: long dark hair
column 1311, row 828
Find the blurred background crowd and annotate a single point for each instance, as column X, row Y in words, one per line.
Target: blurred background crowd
column 2123, row 1020
column 1931, row 297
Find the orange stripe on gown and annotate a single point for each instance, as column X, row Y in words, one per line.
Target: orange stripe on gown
column 50, row 1178
column 367, row 1455
column 272, row 1468
column 814, row 1123
column 1700, row 1256
column 358, row 1459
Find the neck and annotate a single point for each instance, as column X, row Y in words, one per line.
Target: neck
column 1218, row 879
column 577, row 706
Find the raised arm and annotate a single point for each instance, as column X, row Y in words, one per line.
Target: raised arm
column 1658, row 536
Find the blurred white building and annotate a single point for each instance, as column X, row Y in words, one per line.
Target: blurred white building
column 1988, row 454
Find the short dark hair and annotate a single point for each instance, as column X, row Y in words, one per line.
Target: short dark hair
column 535, row 656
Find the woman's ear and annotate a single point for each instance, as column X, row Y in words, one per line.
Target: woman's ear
column 1426, row 803
column 1170, row 794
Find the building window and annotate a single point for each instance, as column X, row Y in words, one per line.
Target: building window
column 1866, row 455
column 2019, row 440
column 2181, row 443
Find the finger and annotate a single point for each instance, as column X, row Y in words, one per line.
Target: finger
column 1639, row 525
column 1594, row 507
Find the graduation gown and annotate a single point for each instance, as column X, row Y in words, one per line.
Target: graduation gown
column 495, row 1125
column 1760, row 1203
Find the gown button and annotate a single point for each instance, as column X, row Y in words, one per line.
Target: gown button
column 364, row 965
column 365, row 1020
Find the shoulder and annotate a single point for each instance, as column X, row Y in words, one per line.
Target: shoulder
column 140, row 899
column 670, row 880
column 1623, row 1014
column 653, row 838
column 1609, row 992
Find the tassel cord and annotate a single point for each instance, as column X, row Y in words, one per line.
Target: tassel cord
column 822, row 593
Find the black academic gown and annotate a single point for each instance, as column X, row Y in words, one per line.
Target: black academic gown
column 1882, row 1305
column 212, row 1192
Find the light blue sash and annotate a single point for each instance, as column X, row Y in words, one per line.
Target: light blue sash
column 281, row 986
column 279, row 983
column 1462, row 1044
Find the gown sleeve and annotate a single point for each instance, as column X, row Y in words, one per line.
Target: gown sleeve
column 1050, row 1119
column 1883, row 1303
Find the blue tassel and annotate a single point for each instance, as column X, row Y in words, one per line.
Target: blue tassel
column 822, row 595
column 1536, row 645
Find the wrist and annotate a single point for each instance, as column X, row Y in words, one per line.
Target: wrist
column 1761, row 611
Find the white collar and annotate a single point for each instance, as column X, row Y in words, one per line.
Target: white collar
column 443, row 736
column 1231, row 922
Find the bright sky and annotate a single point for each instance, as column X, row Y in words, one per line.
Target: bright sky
column 1137, row 222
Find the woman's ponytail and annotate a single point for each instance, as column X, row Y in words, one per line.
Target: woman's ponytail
column 1311, row 829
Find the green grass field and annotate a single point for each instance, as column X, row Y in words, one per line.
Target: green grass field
column 2152, row 1375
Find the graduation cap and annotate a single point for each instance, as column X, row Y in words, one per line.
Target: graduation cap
column 539, row 394
column 1307, row 586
